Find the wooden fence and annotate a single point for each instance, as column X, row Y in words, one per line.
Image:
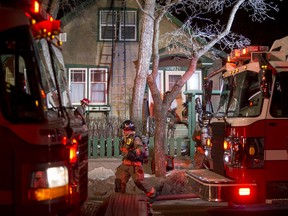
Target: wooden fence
column 109, row 147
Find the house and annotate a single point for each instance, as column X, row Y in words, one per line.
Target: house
column 100, row 51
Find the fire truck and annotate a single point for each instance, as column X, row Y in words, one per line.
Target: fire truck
column 44, row 153
column 248, row 130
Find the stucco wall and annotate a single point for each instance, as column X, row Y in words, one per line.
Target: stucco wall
column 83, row 48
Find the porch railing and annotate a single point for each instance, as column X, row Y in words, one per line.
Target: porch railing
column 109, row 147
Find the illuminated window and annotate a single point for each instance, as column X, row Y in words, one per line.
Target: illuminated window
column 118, row 25
column 89, row 83
column 78, row 84
column 98, row 85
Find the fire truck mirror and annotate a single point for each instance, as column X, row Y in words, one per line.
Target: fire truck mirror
column 266, row 82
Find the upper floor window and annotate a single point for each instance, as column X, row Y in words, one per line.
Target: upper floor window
column 118, row 25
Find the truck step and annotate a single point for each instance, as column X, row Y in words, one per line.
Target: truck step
column 212, row 186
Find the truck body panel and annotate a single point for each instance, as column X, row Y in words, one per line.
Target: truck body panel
column 44, row 150
column 249, row 137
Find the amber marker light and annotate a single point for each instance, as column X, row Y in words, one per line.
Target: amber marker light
column 225, row 145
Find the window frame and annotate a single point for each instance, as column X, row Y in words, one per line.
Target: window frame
column 88, row 84
column 118, row 12
column 105, row 101
column 71, row 82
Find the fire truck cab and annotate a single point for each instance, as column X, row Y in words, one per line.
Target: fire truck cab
column 249, row 129
column 43, row 150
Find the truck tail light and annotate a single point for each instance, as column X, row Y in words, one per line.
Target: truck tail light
column 49, row 184
column 244, row 194
column 64, row 140
column 244, row 191
column 73, row 151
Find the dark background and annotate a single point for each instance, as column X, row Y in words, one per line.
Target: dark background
column 268, row 31
column 264, row 33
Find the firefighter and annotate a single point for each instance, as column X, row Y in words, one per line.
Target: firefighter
column 131, row 166
column 80, row 110
column 199, row 155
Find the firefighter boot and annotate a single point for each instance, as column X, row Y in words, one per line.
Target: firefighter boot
column 119, row 186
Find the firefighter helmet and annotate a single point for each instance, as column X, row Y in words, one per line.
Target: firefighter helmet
column 85, row 101
column 127, row 125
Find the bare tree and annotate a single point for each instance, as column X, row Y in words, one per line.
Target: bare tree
column 143, row 62
column 51, row 6
column 196, row 41
column 65, row 6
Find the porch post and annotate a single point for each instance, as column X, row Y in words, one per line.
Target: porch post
column 191, row 94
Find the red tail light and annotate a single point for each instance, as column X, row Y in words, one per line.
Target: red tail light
column 64, row 140
column 73, row 151
column 244, row 194
column 244, row 191
column 73, row 154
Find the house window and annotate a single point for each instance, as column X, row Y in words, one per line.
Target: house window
column 98, row 85
column 89, row 83
column 118, row 25
column 78, row 84
column 171, row 81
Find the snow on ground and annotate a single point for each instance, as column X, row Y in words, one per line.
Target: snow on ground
column 101, row 183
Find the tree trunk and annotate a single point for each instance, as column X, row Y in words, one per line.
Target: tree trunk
column 160, row 140
column 54, row 8
column 160, row 111
column 144, row 57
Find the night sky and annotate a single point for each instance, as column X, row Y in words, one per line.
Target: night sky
column 266, row 32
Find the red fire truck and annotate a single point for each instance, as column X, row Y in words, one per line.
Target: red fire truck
column 44, row 153
column 249, row 128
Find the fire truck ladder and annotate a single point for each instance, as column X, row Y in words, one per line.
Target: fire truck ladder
column 119, row 100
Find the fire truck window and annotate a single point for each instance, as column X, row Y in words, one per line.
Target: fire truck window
column 246, row 99
column 20, row 96
column 226, row 87
column 8, row 62
column 279, row 104
column 17, row 96
column 48, row 80
column 61, row 75
column 23, row 82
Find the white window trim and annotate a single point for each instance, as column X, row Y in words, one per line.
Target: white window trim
column 189, row 82
column 134, row 25
column 161, row 75
column 120, row 36
column 106, row 82
column 86, row 83
column 170, row 73
column 101, row 25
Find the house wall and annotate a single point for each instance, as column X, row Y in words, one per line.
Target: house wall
column 83, row 49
